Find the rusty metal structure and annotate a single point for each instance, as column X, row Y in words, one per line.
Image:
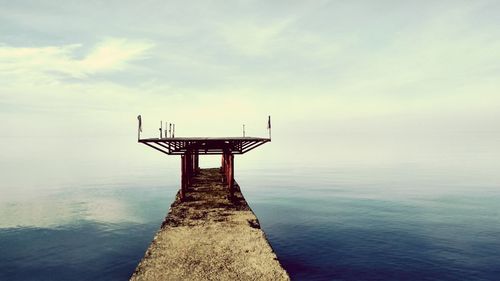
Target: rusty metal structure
column 190, row 149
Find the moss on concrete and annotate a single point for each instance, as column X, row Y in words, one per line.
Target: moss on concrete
column 210, row 236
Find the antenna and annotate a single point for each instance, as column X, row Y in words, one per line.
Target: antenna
column 243, row 130
column 161, row 129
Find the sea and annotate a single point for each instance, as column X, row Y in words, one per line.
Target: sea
column 87, row 208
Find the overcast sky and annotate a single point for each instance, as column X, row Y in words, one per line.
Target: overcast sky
column 348, row 83
column 89, row 67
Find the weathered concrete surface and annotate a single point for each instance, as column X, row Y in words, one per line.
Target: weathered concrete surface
column 210, row 237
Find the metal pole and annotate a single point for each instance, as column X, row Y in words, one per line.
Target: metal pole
column 161, row 129
column 269, row 125
column 231, row 174
column 197, row 162
column 139, row 128
column 222, row 163
column 183, row 177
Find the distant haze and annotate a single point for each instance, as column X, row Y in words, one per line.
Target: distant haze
column 394, row 73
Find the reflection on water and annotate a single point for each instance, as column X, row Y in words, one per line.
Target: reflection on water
column 399, row 221
column 357, row 230
column 80, row 234
column 81, row 251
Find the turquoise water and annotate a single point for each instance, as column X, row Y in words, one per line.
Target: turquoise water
column 392, row 220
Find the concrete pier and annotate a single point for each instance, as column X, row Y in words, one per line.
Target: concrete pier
column 210, row 235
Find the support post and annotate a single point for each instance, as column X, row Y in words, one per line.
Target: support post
column 196, row 162
column 183, row 177
column 189, row 166
column 223, row 164
column 226, row 167
column 228, row 170
column 231, row 174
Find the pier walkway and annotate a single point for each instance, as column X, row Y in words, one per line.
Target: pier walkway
column 210, row 234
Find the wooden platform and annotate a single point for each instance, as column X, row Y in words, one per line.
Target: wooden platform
column 210, row 236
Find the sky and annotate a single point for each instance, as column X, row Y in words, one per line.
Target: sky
column 321, row 69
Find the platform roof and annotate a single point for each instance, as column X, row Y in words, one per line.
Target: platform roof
column 204, row 145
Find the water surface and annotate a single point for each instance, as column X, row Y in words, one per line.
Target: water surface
column 91, row 216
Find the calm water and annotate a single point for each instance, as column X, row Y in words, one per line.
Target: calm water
column 349, row 220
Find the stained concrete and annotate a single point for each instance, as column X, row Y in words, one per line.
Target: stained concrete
column 210, row 236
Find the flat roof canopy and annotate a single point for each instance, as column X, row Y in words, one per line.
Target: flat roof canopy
column 204, row 145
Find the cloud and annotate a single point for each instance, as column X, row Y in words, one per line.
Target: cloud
column 46, row 64
column 254, row 39
column 317, row 63
column 113, row 54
